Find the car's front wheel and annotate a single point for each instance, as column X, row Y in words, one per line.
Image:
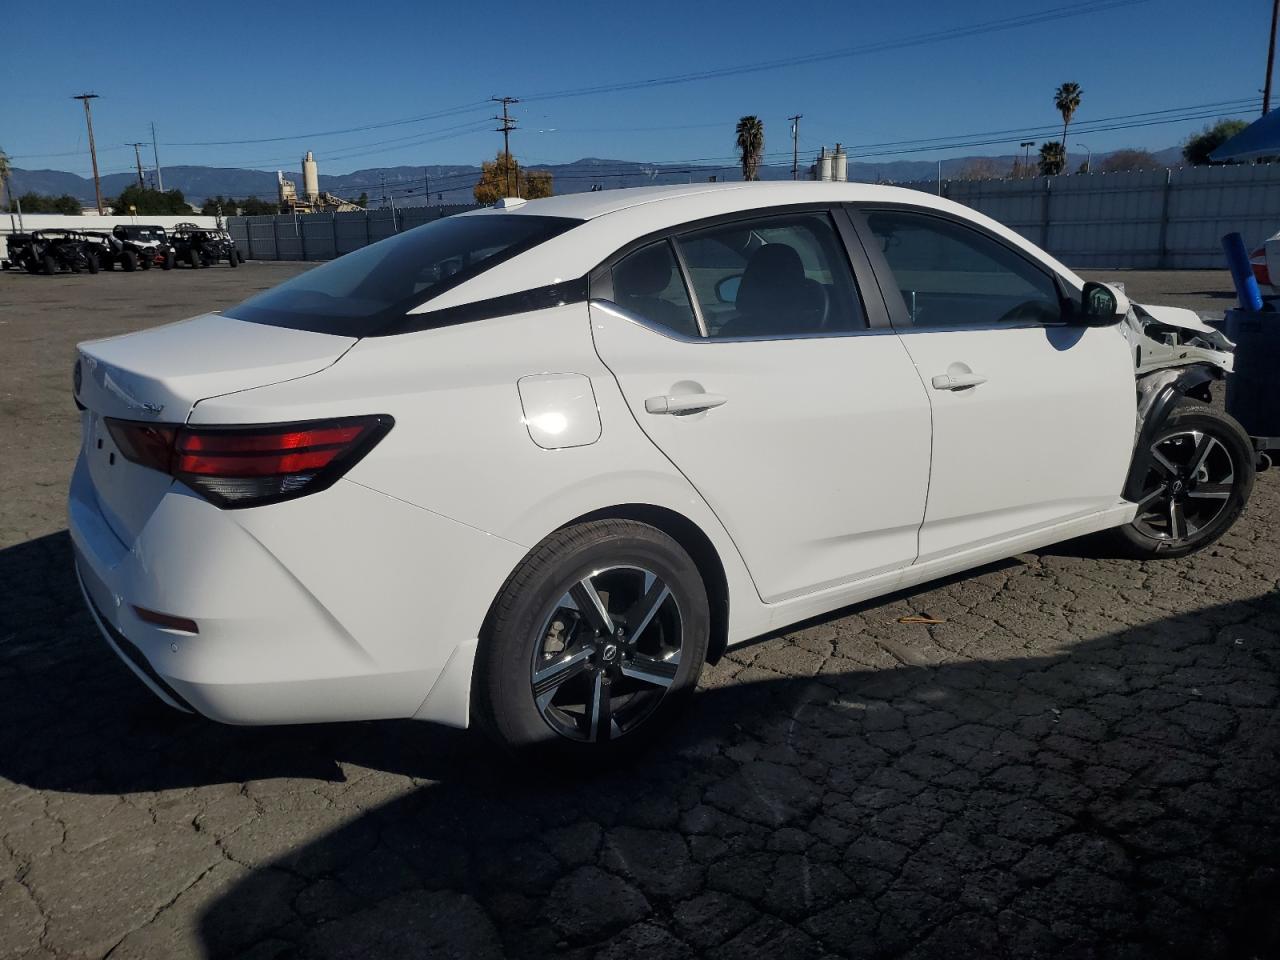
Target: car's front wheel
column 1197, row 480
column 595, row 642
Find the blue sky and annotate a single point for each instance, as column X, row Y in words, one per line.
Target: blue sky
column 233, row 70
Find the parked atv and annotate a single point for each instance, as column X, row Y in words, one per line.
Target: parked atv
column 48, row 251
column 202, row 246
column 18, row 247
column 134, row 246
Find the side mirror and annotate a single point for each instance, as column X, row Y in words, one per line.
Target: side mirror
column 1102, row 304
column 727, row 289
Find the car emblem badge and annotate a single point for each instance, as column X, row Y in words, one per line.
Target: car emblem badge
column 610, row 651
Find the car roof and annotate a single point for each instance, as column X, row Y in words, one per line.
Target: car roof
column 745, row 196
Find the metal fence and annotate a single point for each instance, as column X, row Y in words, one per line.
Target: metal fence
column 323, row 236
column 1157, row 219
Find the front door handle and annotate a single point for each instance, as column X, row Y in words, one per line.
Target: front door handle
column 945, row 381
column 684, row 403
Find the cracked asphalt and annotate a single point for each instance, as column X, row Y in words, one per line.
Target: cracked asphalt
column 1081, row 760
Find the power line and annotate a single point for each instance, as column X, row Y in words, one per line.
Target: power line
column 938, row 36
column 447, row 112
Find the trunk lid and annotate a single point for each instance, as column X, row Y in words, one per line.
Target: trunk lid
column 159, row 375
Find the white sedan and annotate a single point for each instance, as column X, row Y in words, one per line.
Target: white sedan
column 532, row 466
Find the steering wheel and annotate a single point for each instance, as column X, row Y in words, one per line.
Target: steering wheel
column 1030, row 306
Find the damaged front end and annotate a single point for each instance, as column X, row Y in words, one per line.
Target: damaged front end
column 1175, row 354
column 1165, row 337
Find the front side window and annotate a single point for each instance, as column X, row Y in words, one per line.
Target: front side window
column 648, row 284
column 952, row 276
column 780, row 276
column 366, row 292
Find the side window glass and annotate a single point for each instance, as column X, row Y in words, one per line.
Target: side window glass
column 648, row 284
column 773, row 277
column 951, row 276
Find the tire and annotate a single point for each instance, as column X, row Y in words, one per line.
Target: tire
column 233, row 258
column 146, row 261
column 535, row 621
column 193, row 258
column 168, row 261
column 91, row 261
column 129, row 260
column 48, row 266
column 1182, row 510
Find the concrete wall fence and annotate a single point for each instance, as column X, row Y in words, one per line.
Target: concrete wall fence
column 323, row 236
column 1149, row 220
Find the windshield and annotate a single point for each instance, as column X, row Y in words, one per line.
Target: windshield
column 365, row 292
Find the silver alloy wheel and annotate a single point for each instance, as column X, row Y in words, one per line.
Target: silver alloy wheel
column 607, row 653
column 1187, row 487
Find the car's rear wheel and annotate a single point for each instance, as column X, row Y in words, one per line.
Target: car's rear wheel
column 145, row 261
column 48, row 265
column 233, row 258
column 91, row 261
column 594, row 644
column 168, row 261
column 193, row 258
column 129, row 260
column 1196, row 482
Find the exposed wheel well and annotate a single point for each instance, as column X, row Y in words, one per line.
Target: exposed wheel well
column 694, row 542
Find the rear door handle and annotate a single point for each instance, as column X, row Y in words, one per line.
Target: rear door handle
column 684, row 403
column 945, row 381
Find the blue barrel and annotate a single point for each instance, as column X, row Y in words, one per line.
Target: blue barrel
column 1242, row 272
column 1253, row 390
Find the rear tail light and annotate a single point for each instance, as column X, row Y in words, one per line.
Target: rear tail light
column 251, row 466
column 1261, row 273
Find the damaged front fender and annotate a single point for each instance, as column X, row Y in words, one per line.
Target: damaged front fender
column 1168, row 337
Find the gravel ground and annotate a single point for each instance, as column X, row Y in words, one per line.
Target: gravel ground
column 1082, row 760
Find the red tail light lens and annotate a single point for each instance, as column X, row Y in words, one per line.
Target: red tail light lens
column 150, row 444
column 1261, row 272
column 251, row 466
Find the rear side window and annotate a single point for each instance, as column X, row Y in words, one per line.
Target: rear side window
column 648, row 283
column 366, row 292
column 780, row 276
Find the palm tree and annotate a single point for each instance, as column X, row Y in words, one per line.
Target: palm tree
column 1067, row 99
column 1053, row 159
column 751, row 146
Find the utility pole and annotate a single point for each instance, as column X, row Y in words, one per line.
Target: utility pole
column 426, row 185
column 156, row 153
column 137, row 157
column 1271, row 57
column 1026, row 146
column 795, row 143
column 93, row 152
column 508, row 124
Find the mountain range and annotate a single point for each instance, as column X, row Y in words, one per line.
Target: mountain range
column 452, row 184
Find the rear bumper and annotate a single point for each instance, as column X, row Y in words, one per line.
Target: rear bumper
column 346, row 605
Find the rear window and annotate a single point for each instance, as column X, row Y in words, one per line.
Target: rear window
column 365, row 293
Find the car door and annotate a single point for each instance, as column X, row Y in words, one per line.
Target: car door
column 1033, row 420
column 745, row 353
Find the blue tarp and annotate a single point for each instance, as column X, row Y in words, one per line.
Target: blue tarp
column 1260, row 139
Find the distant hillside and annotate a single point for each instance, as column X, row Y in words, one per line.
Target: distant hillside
column 452, row 184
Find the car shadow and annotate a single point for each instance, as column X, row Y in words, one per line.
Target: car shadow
column 855, row 787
